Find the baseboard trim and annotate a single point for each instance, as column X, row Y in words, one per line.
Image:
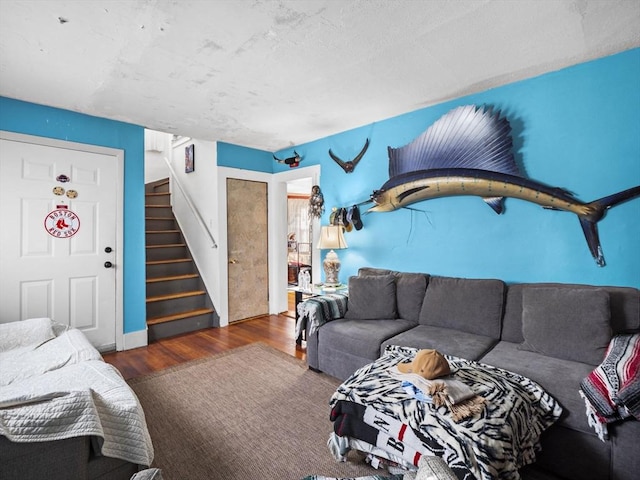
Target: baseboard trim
column 135, row 339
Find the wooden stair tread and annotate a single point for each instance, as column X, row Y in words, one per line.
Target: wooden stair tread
column 162, row 231
column 169, row 278
column 172, row 296
column 167, row 245
column 179, row 316
column 159, row 218
column 157, row 194
column 172, row 260
column 157, row 206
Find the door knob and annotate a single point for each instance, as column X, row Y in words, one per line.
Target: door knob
column 108, row 250
column 108, row 264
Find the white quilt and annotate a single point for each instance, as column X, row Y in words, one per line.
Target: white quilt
column 61, row 389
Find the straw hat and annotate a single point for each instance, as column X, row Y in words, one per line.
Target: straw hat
column 427, row 363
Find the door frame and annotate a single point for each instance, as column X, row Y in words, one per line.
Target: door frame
column 118, row 154
column 281, row 231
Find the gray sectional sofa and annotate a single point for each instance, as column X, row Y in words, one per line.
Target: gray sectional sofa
column 555, row 334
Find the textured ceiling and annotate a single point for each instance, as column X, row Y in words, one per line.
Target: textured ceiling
column 269, row 74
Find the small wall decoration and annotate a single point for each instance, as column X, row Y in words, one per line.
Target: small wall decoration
column 350, row 165
column 58, row 191
column 189, row 158
column 291, row 161
column 62, row 222
column 316, row 203
column 473, row 145
column 62, row 178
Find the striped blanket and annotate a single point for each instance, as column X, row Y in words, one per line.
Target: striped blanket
column 492, row 444
column 612, row 391
column 315, row 312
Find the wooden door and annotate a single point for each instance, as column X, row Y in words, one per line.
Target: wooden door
column 59, row 231
column 247, row 249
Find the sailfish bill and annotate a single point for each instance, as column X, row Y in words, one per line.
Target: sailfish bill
column 468, row 152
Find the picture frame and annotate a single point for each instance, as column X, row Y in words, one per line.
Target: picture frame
column 189, row 158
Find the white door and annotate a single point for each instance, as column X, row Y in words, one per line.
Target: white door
column 58, row 239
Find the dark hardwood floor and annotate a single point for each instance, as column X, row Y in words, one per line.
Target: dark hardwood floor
column 277, row 331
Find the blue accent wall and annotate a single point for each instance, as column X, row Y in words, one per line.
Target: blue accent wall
column 576, row 128
column 28, row 118
column 245, row 158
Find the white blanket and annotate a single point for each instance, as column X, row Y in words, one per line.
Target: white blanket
column 63, row 389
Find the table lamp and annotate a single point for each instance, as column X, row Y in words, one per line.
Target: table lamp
column 331, row 238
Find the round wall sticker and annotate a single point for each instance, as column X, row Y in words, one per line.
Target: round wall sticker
column 62, row 222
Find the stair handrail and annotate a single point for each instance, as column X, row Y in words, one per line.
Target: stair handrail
column 190, row 204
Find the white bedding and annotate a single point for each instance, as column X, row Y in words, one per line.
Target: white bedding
column 61, row 389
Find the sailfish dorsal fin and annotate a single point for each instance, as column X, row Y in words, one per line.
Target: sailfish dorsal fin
column 465, row 137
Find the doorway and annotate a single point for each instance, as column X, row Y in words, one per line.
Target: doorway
column 299, row 237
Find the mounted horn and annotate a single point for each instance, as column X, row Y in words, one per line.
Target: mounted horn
column 349, row 166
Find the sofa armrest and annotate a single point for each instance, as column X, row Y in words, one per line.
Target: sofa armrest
column 316, row 311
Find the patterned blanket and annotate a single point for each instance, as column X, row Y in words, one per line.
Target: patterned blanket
column 315, row 312
column 492, row 444
column 612, row 391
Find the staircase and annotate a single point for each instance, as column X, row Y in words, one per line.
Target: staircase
column 177, row 301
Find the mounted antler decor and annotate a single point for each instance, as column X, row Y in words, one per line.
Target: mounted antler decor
column 291, row 161
column 350, row 166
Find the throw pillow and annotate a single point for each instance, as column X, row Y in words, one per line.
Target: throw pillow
column 25, row 333
column 571, row 324
column 465, row 304
column 410, row 289
column 365, row 271
column 372, row 297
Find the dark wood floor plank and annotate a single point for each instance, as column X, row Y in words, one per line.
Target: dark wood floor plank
column 274, row 330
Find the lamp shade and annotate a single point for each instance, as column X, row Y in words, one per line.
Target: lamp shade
column 331, row 237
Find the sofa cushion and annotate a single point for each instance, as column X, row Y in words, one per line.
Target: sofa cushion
column 460, row 344
column 410, row 290
column 372, row 297
column 361, row 338
column 559, row 377
column 468, row 305
column 571, row 324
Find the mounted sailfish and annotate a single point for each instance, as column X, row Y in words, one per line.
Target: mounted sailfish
column 468, row 152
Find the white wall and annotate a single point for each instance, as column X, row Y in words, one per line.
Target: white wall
column 199, row 187
column 157, row 147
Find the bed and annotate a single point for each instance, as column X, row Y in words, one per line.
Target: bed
column 56, row 391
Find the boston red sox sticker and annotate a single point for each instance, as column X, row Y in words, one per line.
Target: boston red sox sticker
column 62, row 223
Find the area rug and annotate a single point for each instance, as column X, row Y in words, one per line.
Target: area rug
column 250, row 413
